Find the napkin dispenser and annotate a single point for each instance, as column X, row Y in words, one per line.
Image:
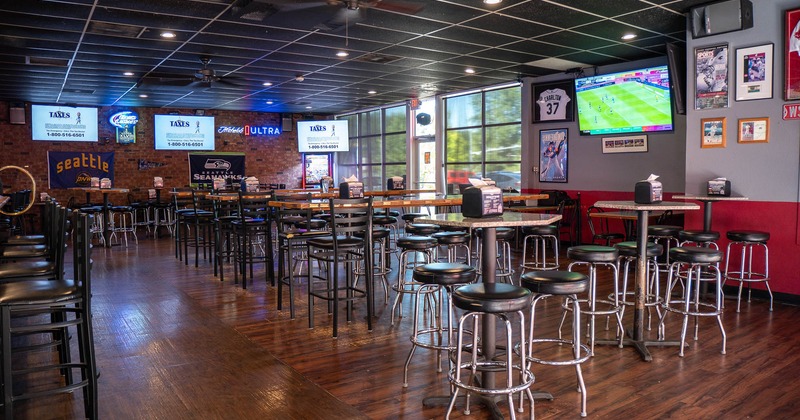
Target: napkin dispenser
column 220, row 183
column 94, row 182
column 482, row 201
column 158, row 182
column 648, row 191
column 351, row 189
column 105, row 183
column 249, row 184
column 719, row 186
column 396, row 183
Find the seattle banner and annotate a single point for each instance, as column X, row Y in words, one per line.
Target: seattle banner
column 76, row 169
column 204, row 167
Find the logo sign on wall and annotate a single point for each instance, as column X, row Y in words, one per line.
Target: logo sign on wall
column 125, row 122
column 250, row 130
column 76, row 169
column 204, row 167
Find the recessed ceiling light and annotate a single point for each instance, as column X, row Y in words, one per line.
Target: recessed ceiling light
column 167, row 34
column 342, row 53
column 267, row 83
column 308, row 107
column 128, row 73
column 492, row 1
column 469, row 70
column 372, row 92
column 269, row 102
column 144, row 95
column 628, row 36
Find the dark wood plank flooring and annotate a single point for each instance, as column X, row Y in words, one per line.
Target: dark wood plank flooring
column 174, row 342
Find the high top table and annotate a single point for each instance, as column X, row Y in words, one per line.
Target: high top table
column 488, row 267
column 707, row 200
column 106, row 212
column 636, row 336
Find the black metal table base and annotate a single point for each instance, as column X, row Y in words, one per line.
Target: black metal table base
column 640, row 345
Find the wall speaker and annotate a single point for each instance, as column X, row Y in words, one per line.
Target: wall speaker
column 286, row 123
column 720, row 17
column 16, row 113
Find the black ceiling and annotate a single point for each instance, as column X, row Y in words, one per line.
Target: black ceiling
column 76, row 51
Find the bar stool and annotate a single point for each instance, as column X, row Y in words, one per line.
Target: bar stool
column 380, row 239
column 453, row 240
column 408, row 218
column 497, row 300
column 629, row 253
column 441, row 279
column 122, row 221
column 667, row 236
column 748, row 240
column 699, row 237
column 410, row 245
column 696, row 258
column 568, row 285
column 594, row 256
column 541, row 236
column 504, row 236
column 421, row 229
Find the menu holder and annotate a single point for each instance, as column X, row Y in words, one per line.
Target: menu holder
column 482, row 201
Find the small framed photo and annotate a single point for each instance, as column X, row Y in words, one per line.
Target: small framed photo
column 754, row 130
column 627, row 144
column 554, row 101
column 754, row 72
column 713, row 130
column 791, row 55
column 553, row 149
column 711, row 77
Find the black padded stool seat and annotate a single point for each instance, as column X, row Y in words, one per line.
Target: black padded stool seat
column 91, row 209
column 748, row 236
column 492, row 298
column 312, row 224
column 629, row 249
column 343, row 242
column 451, row 238
column 377, row 233
column 383, row 220
column 555, row 282
column 392, row 213
column 502, row 233
column 593, row 253
column 698, row 236
column 695, row 255
column 121, row 208
column 540, row 230
column 664, row 230
column 448, row 228
column 422, row 228
column 444, row 273
column 409, row 217
column 416, row 242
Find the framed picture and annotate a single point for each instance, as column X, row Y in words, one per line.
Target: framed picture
column 553, row 147
column 754, row 72
column 627, row 144
column 554, row 101
column 754, row 130
column 713, row 130
column 711, row 77
column 791, row 58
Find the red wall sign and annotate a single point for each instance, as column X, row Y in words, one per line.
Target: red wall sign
column 791, row 111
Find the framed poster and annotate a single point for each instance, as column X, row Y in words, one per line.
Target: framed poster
column 791, row 57
column 627, row 144
column 554, row 101
column 711, row 77
column 754, row 72
column 754, row 130
column 553, row 146
column 713, row 132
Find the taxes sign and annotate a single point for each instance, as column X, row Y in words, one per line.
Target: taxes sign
column 791, row 111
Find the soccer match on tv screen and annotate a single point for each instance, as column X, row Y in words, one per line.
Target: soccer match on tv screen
column 625, row 102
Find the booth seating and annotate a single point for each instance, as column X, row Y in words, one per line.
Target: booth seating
column 691, row 260
column 749, row 243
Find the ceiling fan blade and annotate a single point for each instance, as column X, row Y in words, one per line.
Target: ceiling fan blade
column 166, row 81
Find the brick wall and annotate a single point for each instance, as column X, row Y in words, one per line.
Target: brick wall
column 270, row 159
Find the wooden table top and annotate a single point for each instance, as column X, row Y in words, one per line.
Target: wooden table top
column 454, row 200
column 504, row 220
column 102, row 190
column 632, row 205
column 709, row 197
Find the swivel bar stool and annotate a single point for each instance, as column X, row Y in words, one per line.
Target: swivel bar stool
column 694, row 259
column 667, row 236
column 410, row 246
column 748, row 241
column 541, row 237
column 504, row 237
column 453, row 240
column 629, row 253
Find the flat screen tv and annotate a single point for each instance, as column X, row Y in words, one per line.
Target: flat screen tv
column 63, row 123
column 323, row 136
column 632, row 101
column 183, row 132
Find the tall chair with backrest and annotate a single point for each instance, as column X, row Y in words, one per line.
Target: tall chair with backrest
column 200, row 222
column 350, row 218
column 253, row 236
column 600, row 230
column 50, row 265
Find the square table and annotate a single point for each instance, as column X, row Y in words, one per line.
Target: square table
column 636, row 338
column 488, row 267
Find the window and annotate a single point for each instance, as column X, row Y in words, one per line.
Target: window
column 483, row 135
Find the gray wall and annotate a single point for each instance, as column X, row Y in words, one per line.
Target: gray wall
column 764, row 172
column 590, row 169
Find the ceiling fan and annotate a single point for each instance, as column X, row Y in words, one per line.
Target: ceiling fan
column 343, row 13
column 203, row 78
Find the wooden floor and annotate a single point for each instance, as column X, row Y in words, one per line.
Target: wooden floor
column 173, row 342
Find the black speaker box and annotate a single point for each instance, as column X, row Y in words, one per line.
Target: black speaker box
column 720, row 17
column 16, row 113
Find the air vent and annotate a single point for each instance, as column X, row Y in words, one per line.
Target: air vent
column 81, row 91
column 42, row 61
column 378, row 58
column 253, row 11
column 115, row 29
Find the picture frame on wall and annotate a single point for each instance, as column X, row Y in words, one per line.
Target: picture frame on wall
column 627, row 144
column 711, row 77
column 754, row 130
column 553, row 158
column 791, row 57
column 754, row 72
column 712, row 132
column 554, row 101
